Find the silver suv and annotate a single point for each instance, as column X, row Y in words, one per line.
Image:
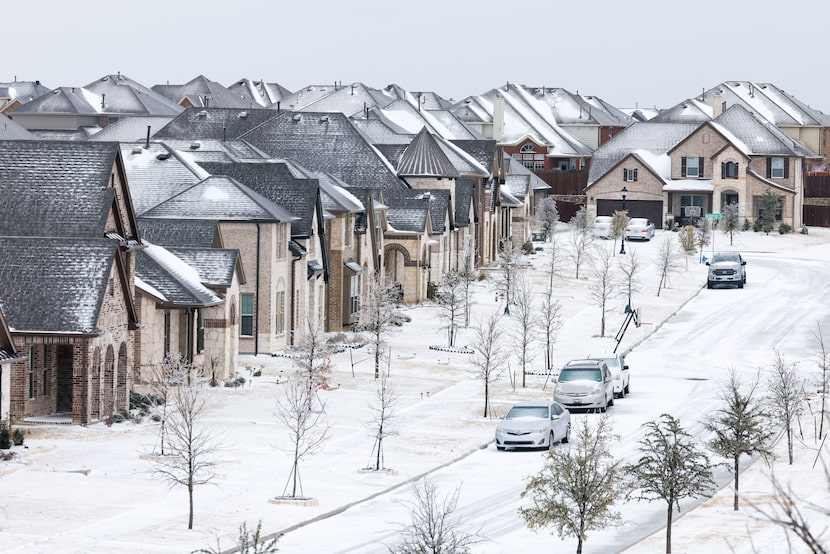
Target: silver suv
column 585, row 384
column 727, row 268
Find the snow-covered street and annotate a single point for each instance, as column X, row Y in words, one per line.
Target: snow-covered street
column 81, row 489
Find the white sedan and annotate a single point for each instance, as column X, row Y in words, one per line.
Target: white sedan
column 602, row 226
column 639, row 228
column 534, row 425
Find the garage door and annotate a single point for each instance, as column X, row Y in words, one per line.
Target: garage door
column 651, row 209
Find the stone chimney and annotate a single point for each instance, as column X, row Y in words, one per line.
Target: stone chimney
column 498, row 117
column 717, row 103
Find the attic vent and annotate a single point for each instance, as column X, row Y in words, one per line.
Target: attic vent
column 105, row 78
column 163, row 156
column 242, row 115
column 138, row 150
column 56, row 91
column 427, row 195
column 309, row 89
column 297, row 117
column 195, row 145
column 202, row 114
column 324, row 118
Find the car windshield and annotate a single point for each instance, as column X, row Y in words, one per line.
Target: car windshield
column 725, row 258
column 587, row 374
column 610, row 362
column 527, row 411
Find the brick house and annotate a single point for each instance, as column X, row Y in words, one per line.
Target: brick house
column 67, row 243
column 8, row 354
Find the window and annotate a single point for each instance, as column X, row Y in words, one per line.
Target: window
column 200, row 331
column 347, row 240
column 378, row 231
column 629, row 175
column 166, row 333
column 247, row 315
column 729, row 170
column 279, row 322
column 282, row 245
column 354, row 295
column 45, row 370
column 778, row 210
column 538, row 166
column 778, row 168
column 691, row 167
column 527, row 154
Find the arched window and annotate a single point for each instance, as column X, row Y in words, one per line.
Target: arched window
column 528, row 148
column 729, row 170
column 529, row 158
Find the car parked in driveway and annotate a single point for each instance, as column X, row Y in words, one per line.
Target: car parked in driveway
column 639, row 228
column 585, row 384
column 619, row 371
column 726, row 268
column 602, row 226
column 533, row 425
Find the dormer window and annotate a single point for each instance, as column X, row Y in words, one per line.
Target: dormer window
column 629, row 175
column 778, row 168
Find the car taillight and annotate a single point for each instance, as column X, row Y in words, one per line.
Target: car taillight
column 645, row 230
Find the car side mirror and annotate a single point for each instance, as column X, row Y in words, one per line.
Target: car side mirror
column 625, row 366
column 743, row 262
column 707, row 263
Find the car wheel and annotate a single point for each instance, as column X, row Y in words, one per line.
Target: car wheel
column 627, row 389
column 567, row 438
column 499, row 447
column 551, row 440
column 740, row 284
column 708, row 284
column 611, row 403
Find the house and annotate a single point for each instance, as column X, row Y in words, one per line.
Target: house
column 68, row 241
column 259, row 93
column 682, row 170
column 65, row 110
column 17, row 93
column 201, row 92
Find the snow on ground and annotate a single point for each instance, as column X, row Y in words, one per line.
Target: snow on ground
column 87, row 489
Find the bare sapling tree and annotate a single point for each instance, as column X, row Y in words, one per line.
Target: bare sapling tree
column 248, row 542
column 823, row 380
column 547, row 216
column 671, row 467
column 740, row 426
column 554, row 258
column 686, row 238
column 580, row 240
column 378, row 313
column 667, row 263
column 490, row 355
column 550, row 323
column 313, row 358
column 606, row 285
column 731, row 220
column 619, row 221
column 468, row 272
column 791, row 512
column 452, row 301
column 306, row 427
column 786, row 396
column 630, row 266
column 435, row 527
column 576, row 490
column 163, row 378
column 525, row 324
column 192, row 460
column 383, row 412
column 508, row 270
column 703, row 235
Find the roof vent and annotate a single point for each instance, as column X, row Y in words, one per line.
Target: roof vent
column 138, row 150
column 297, row 117
column 202, row 114
column 324, row 118
column 105, row 78
column 195, row 145
column 427, row 195
column 309, row 89
column 163, row 156
column 242, row 115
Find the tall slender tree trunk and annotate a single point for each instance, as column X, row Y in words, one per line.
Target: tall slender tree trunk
column 190, row 498
column 737, row 476
column 668, row 528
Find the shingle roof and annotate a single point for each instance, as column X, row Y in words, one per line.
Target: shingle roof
column 197, row 233
column 767, row 101
column 203, row 92
column 407, row 211
column 464, row 188
column 688, row 111
column 761, row 137
column 483, row 151
column 122, row 95
column 54, row 285
column 131, row 129
column 259, row 93
column 349, row 99
column 325, row 142
column 220, row 198
column 55, row 188
column 216, row 266
column 277, row 183
column 424, row 158
column 214, row 123
column 179, row 283
column 154, row 175
column 11, row 130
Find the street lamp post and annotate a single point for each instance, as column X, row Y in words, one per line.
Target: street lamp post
column 624, row 193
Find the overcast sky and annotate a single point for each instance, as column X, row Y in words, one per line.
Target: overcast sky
column 635, row 52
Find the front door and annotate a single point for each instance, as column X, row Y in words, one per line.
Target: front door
column 64, row 386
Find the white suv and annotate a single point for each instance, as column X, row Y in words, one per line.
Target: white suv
column 585, row 384
column 619, row 371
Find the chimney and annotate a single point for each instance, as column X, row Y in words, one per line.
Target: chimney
column 103, row 96
column 717, row 103
column 147, row 141
column 498, row 118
